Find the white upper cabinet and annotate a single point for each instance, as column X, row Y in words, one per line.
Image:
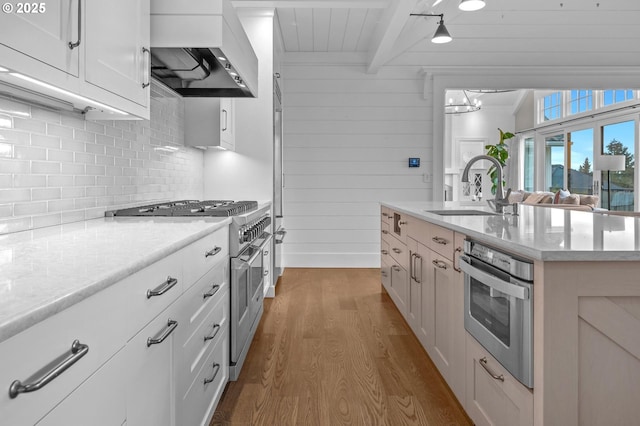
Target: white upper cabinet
column 53, row 26
column 82, row 54
column 210, row 123
column 117, row 49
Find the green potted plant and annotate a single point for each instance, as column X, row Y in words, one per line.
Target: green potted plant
column 500, row 152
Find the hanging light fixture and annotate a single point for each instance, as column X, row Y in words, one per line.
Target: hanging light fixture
column 441, row 35
column 471, row 5
column 464, row 106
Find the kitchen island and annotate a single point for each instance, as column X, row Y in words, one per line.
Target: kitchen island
column 586, row 309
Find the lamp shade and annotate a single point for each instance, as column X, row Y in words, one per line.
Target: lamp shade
column 441, row 35
column 611, row 163
column 471, row 5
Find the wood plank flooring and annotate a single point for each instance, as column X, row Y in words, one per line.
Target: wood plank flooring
column 332, row 349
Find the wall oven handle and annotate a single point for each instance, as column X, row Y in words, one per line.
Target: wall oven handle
column 493, row 282
column 483, row 363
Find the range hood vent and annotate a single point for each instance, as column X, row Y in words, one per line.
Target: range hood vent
column 199, row 49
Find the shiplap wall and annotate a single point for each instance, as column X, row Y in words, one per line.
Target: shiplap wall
column 347, row 139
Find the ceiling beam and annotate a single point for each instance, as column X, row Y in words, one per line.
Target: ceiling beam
column 393, row 20
column 313, row 4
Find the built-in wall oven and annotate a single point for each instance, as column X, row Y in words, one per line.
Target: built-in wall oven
column 498, row 306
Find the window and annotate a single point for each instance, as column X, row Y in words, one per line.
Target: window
column 618, row 187
column 580, row 161
column 610, row 97
column 552, row 106
column 529, row 171
column 580, row 101
column 554, row 163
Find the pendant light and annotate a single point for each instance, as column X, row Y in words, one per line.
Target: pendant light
column 471, row 5
column 441, row 35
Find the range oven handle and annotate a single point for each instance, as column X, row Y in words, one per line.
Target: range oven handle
column 257, row 252
column 492, row 281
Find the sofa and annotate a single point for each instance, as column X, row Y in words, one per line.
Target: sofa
column 561, row 199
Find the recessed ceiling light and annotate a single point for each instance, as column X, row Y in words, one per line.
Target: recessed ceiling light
column 471, row 5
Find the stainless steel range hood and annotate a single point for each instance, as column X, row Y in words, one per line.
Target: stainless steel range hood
column 199, row 49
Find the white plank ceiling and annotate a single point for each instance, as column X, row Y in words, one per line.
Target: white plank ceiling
column 511, row 32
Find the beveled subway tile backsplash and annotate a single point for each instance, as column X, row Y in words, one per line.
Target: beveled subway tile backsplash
column 57, row 167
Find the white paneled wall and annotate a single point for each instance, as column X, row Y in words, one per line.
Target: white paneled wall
column 58, row 167
column 347, row 139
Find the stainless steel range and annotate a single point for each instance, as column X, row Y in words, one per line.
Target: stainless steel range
column 249, row 239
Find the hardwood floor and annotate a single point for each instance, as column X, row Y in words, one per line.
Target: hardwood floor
column 332, row 349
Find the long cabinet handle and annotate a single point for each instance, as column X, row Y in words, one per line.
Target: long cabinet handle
column 211, row 292
column 77, row 43
column 439, row 264
column 418, row 277
column 146, row 54
column 216, row 328
column 213, row 251
column 216, row 368
column 483, row 363
column 159, row 338
column 162, row 288
column 439, row 240
column 41, row 379
column 224, row 129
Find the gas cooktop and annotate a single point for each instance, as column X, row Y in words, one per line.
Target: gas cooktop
column 191, row 208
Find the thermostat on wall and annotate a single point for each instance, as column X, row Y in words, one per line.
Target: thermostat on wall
column 414, row 162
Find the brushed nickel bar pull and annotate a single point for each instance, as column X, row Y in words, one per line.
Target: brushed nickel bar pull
column 42, row 378
column 224, row 129
column 439, row 264
column 216, row 328
column 439, row 240
column 396, row 268
column 77, row 43
column 213, row 251
column 146, row 53
column 162, row 288
column 216, row 367
column 457, row 250
column 483, row 363
column 418, row 280
column 211, row 292
column 385, row 252
column 384, row 231
column 396, row 250
column 384, row 273
column 171, row 325
column 402, row 222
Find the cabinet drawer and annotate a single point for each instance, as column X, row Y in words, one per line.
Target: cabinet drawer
column 499, row 400
column 204, row 254
column 197, row 404
column 151, row 290
column 441, row 241
column 384, row 231
column 97, row 322
column 100, row 401
column 195, row 349
column 399, row 253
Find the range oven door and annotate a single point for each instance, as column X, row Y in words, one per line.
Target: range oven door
column 247, row 276
column 498, row 314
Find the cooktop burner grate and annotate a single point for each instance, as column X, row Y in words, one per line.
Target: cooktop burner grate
column 191, row 208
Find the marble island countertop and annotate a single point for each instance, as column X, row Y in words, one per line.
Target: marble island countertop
column 45, row 271
column 542, row 233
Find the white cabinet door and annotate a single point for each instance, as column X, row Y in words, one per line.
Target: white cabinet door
column 427, row 302
column 210, row 122
column 227, row 124
column 151, row 388
column 442, row 276
column 117, row 31
column 399, row 289
column 49, row 33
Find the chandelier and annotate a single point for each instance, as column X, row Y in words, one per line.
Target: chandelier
column 462, row 107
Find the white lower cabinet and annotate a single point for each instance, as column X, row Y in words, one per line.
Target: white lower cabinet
column 494, row 396
column 150, row 350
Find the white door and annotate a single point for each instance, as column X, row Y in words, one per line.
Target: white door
column 117, row 31
column 44, row 35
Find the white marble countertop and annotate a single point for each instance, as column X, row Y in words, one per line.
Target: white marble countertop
column 542, row 233
column 45, row 271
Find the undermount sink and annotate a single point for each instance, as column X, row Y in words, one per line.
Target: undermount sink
column 462, row 212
